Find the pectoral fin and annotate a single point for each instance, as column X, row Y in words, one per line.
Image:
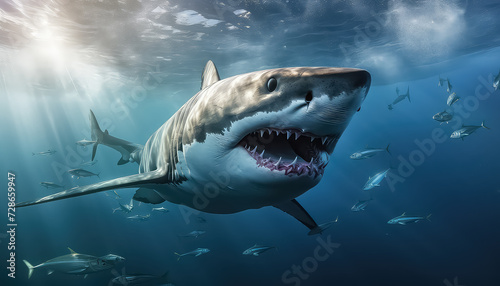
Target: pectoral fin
column 149, row 179
column 294, row 209
column 149, row 196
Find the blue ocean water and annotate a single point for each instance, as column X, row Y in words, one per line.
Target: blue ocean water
column 134, row 63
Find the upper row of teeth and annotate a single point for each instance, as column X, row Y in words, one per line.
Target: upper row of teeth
column 289, row 133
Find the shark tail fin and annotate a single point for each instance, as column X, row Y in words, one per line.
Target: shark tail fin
column 484, row 126
column 428, row 217
column 408, row 94
column 30, row 268
column 387, row 149
column 95, row 133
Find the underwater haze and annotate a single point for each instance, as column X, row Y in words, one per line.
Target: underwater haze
column 134, row 63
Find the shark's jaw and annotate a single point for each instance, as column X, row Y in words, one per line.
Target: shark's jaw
column 290, row 151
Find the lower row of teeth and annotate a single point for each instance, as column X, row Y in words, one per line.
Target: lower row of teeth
column 293, row 167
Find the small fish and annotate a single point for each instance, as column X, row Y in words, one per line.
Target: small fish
column 256, row 250
column 81, row 173
column 139, row 217
column 441, row 81
column 117, row 196
column 360, row 205
column 496, row 81
column 125, row 208
column 194, row 233
column 400, row 97
column 390, row 107
column 197, row 252
column 443, row 116
column 322, row 227
column 141, row 280
column 50, row 185
column 375, row 180
column 45, row 153
column 448, row 89
column 404, row 219
column 452, row 98
column 85, row 142
column 74, row 263
column 466, row 131
column 369, row 152
column 89, row 163
column 161, row 210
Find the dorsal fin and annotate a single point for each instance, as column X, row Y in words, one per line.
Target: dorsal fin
column 210, row 75
column 72, row 251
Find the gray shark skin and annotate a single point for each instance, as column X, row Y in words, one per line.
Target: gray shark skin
column 261, row 138
column 466, row 131
column 404, row 219
column 74, row 263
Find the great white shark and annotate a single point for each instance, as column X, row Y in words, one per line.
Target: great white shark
column 245, row 142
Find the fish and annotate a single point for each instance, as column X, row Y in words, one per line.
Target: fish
column 441, row 81
column 197, row 252
column 117, row 196
column 360, row 205
column 390, row 107
column 161, row 210
column 375, row 180
column 194, row 233
column 78, row 173
column 496, row 81
column 75, row 263
column 256, row 250
column 89, row 163
column 50, row 185
column 369, row 152
column 126, row 208
column 466, row 131
column 400, row 97
column 449, row 87
column 139, row 217
column 141, row 280
column 452, row 98
column 322, row 227
column 45, row 153
column 85, row 142
column 404, row 219
column 224, row 131
column 201, row 220
column 443, row 116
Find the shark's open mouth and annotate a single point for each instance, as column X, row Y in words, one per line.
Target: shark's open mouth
column 290, row 150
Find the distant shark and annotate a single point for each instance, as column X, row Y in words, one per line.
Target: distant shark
column 400, row 98
column 245, row 142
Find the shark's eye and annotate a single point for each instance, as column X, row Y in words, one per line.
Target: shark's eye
column 272, row 83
